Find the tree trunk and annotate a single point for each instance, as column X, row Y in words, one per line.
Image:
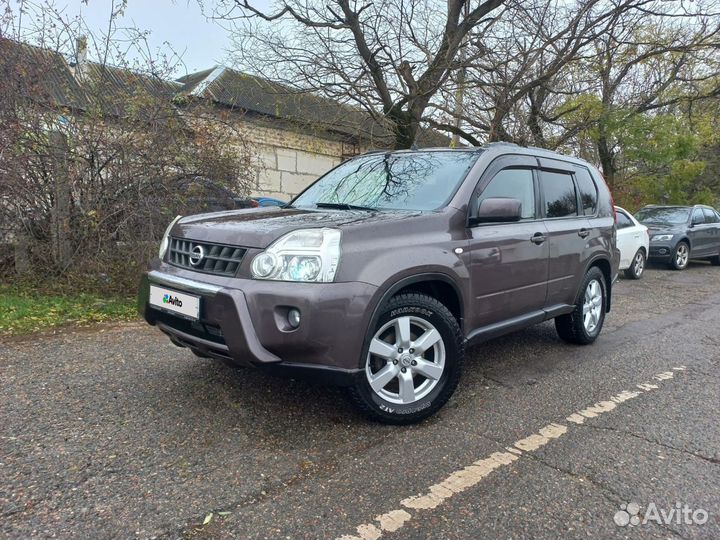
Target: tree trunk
column 497, row 129
column 607, row 159
column 536, row 101
column 61, row 238
column 405, row 128
column 21, row 247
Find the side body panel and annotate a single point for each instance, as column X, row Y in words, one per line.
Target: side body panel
column 508, row 271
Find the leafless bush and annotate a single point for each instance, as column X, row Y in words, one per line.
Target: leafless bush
column 93, row 167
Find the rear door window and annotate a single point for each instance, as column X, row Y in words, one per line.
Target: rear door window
column 559, row 194
column 710, row 216
column 588, row 191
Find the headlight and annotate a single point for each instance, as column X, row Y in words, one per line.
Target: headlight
column 165, row 242
column 662, row 238
column 309, row 255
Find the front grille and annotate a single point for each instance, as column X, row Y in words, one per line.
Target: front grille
column 216, row 259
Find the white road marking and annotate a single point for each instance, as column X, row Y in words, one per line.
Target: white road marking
column 392, row 521
column 471, row 475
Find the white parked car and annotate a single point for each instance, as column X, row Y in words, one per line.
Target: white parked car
column 633, row 241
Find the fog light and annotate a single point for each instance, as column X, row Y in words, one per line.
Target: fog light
column 294, row 317
column 663, row 251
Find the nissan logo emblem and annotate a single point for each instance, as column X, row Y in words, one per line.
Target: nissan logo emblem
column 198, row 254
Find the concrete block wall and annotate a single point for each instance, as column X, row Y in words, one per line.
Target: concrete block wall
column 287, row 161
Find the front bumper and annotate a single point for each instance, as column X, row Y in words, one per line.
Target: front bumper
column 660, row 251
column 245, row 321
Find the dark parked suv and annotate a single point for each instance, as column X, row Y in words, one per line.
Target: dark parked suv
column 378, row 274
column 681, row 233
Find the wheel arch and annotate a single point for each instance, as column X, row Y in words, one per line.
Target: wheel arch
column 606, row 268
column 685, row 239
column 440, row 286
column 434, row 284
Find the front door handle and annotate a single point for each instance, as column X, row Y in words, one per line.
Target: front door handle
column 583, row 233
column 538, row 238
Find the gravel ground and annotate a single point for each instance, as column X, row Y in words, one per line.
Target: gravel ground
column 115, row 433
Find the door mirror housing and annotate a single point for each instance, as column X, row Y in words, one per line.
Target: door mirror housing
column 497, row 210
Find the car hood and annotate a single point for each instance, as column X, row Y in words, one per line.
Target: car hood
column 664, row 229
column 259, row 227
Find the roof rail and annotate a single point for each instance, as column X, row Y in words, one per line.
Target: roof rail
column 500, row 143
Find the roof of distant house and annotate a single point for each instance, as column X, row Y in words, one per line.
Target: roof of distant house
column 45, row 75
column 54, row 81
column 235, row 89
column 239, row 90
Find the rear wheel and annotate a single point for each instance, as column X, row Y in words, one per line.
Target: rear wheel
column 680, row 257
column 413, row 361
column 583, row 325
column 637, row 267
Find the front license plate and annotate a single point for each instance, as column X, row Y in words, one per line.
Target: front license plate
column 177, row 302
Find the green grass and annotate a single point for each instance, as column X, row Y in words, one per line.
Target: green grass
column 24, row 310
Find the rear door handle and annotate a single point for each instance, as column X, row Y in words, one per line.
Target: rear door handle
column 583, row 233
column 538, row 238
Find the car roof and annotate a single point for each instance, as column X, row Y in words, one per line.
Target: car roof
column 670, row 206
column 498, row 148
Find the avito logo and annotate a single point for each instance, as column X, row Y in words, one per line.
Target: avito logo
column 172, row 300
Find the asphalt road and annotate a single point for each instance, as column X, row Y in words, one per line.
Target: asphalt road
column 118, row 434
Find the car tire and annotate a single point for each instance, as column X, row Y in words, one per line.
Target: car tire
column 680, row 256
column 399, row 383
column 637, row 266
column 584, row 324
column 715, row 261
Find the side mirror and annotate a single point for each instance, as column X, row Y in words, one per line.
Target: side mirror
column 497, row 210
column 695, row 221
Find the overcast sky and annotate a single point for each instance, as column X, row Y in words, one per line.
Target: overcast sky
column 181, row 23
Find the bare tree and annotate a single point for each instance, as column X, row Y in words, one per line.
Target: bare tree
column 568, row 74
column 391, row 57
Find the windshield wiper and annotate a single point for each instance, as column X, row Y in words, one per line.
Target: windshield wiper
column 344, row 206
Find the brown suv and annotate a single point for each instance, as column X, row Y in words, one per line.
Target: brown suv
column 378, row 274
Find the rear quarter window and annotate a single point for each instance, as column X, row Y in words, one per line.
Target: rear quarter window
column 623, row 221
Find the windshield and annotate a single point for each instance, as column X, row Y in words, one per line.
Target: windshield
column 404, row 181
column 663, row 216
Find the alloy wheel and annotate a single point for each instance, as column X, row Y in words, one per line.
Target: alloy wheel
column 639, row 264
column 592, row 306
column 682, row 255
column 406, row 360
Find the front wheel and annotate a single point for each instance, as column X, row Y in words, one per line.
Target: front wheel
column 413, row 361
column 637, row 267
column 680, row 257
column 583, row 325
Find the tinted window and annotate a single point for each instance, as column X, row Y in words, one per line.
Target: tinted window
column 559, row 192
column 710, row 215
column 514, row 184
column 623, row 221
column 588, row 191
column 406, row 181
column 698, row 217
column 672, row 215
